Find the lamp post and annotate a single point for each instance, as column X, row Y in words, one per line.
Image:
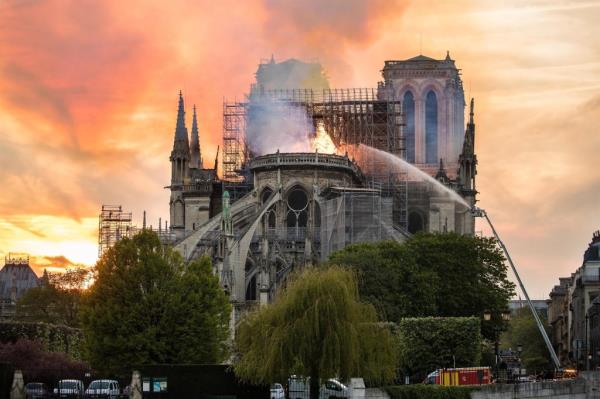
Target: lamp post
column 519, row 351
column 587, row 344
column 504, row 317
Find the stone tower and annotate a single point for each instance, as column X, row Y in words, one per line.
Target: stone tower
column 180, row 160
column 433, row 103
column 467, row 170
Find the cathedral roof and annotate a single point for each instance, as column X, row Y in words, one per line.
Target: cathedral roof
column 421, row 57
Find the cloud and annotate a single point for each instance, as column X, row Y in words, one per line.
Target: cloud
column 88, row 97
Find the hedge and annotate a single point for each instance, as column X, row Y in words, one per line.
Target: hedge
column 430, row 343
column 420, row 391
column 55, row 338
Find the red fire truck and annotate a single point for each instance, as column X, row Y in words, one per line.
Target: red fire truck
column 460, row 376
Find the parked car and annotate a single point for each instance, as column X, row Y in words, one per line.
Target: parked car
column 69, row 389
column 36, row 390
column 103, row 389
column 277, row 391
column 299, row 388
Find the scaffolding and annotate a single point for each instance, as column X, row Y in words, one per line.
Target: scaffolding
column 355, row 216
column 350, row 116
column 234, row 128
column 114, row 224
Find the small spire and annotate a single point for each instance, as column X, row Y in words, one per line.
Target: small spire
column 180, row 129
column 196, row 155
column 448, row 55
column 472, row 111
column 441, row 173
column 272, row 58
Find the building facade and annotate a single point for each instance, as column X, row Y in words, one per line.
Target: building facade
column 574, row 309
column 16, row 278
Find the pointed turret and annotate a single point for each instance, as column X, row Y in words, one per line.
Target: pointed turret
column 467, row 159
column 180, row 155
column 441, row 174
column 181, row 132
column 196, row 154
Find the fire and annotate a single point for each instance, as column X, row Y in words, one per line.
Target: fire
column 322, row 142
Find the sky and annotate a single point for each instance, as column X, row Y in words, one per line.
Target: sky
column 88, row 100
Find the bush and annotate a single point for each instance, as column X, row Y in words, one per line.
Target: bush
column 428, row 392
column 54, row 338
column 39, row 364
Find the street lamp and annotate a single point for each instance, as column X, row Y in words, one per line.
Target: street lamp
column 519, row 351
column 504, row 316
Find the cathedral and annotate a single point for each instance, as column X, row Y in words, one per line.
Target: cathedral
column 274, row 212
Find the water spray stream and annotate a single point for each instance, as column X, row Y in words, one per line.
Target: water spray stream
column 365, row 153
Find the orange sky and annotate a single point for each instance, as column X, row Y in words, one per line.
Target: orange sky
column 88, row 93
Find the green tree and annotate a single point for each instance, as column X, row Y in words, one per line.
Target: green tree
column 317, row 327
column 57, row 300
column 390, row 279
column 146, row 306
column 472, row 273
column 523, row 330
column 432, row 274
column 429, row 343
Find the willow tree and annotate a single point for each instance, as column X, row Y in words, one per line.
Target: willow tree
column 318, row 328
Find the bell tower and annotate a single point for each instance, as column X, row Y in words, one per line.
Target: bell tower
column 180, row 160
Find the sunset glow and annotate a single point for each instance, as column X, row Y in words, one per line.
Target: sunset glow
column 88, row 97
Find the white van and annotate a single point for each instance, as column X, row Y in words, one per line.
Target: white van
column 69, row 389
column 103, row 389
column 299, row 388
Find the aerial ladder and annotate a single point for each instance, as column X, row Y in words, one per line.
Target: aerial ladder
column 478, row 212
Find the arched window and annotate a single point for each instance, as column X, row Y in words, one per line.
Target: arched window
column 431, row 128
column 415, row 222
column 408, row 106
column 297, row 213
column 251, row 289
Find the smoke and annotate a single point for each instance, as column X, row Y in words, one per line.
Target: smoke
column 276, row 126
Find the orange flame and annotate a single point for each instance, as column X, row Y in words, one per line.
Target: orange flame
column 322, row 141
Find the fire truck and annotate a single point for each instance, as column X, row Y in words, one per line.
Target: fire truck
column 460, row 376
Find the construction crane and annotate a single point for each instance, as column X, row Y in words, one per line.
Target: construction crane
column 478, row 212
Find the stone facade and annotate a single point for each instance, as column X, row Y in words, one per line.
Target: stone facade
column 434, row 106
column 574, row 311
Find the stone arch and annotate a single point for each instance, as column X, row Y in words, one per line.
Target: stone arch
column 416, row 221
column 297, row 203
column 270, row 217
column 265, row 194
column 409, row 110
column 251, row 289
column 431, row 127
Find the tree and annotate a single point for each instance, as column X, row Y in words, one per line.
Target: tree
column 523, row 330
column 57, row 300
column 472, row 274
column 146, row 306
column 317, row 327
column 390, row 279
column 429, row 343
column 444, row 275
